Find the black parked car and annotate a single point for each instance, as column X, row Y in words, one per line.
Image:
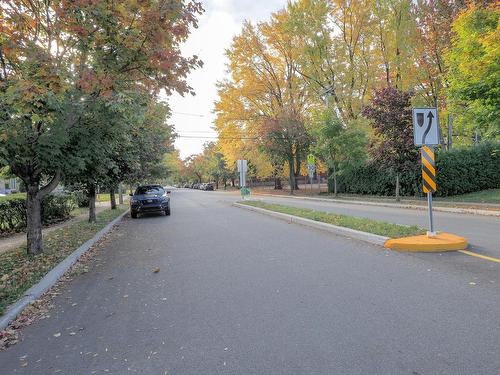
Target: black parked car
column 149, row 198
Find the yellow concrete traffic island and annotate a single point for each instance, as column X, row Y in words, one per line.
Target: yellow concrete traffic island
column 441, row 241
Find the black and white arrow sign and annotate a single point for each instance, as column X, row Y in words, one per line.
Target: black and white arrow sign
column 425, row 127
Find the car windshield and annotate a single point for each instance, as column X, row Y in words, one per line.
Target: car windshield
column 143, row 190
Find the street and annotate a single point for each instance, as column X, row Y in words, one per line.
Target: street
column 242, row 293
column 481, row 231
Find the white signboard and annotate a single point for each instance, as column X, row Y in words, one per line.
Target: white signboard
column 242, row 166
column 425, row 127
column 311, row 168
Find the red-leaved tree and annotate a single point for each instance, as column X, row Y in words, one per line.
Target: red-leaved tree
column 390, row 113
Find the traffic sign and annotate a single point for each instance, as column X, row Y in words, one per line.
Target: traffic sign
column 311, row 159
column 428, row 170
column 242, row 166
column 311, row 168
column 425, row 127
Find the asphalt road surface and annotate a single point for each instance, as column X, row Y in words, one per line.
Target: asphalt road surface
column 483, row 232
column 243, row 293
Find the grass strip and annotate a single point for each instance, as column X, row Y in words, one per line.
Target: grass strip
column 381, row 228
column 19, row 271
column 483, row 196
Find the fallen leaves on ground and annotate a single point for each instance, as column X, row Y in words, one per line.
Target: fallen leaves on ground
column 39, row 309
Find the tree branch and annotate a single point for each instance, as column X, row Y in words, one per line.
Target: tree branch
column 51, row 185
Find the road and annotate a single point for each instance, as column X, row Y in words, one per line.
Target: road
column 481, row 231
column 242, row 293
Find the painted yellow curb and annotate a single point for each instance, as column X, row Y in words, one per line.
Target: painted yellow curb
column 441, row 242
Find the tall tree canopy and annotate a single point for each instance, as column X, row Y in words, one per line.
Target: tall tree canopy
column 57, row 58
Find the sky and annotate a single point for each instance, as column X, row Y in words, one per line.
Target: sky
column 192, row 115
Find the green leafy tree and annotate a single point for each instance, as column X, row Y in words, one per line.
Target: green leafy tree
column 336, row 144
column 59, row 57
column 474, row 70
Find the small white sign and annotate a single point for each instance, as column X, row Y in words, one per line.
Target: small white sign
column 425, row 127
column 242, row 166
column 311, row 168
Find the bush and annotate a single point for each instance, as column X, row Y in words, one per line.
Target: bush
column 57, row 207
column 459, row 171
column 81, row 198
column 13, row 211
column 12, row 214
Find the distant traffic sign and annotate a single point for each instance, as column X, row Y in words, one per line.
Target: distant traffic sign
column 425, row 127
column 242, row 166
column 311, row 168
column 428, row 170
column 311, row 159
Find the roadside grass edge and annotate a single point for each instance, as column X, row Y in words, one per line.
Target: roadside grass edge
column 348, row 225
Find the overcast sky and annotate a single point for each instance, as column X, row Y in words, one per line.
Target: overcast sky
column 192, row 116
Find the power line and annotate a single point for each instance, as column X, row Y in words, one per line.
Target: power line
column 198, row 131
column 189, row 114
column 215, row 137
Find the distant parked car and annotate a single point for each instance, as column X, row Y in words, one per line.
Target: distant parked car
column 149, row 198
column 207, row 186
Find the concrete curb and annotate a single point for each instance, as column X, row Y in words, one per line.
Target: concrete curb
column 469, row 211
column 373, row 239
column 53, row 276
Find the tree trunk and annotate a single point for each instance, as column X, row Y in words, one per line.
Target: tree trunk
column 232, row 182
column 277, row 183
column 34, row 197
column 120, row 194
column 397, row 187
column 297, row 170
column 91, row 195
column 113, row 198
column 34, row 220
column 217, row 184
column 330, row 173
column 334, row 181
column 291, row 174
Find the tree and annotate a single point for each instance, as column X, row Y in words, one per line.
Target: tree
column 432, row 39
column 390, row 113
column 266, row 98
column 333, row 40
column 336, row 144
column 58, row 57
column 474, row 70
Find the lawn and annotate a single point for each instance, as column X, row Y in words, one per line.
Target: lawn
column 103, row 198
column 483, row 196
column 19, row 271
column 358, row 223
column 13, row 196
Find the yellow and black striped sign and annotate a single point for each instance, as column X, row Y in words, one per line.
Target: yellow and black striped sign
column 428, row 170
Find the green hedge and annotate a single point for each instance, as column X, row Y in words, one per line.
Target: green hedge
column 459, row 171
column 13, row 211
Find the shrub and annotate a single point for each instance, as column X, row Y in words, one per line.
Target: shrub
column 459, row 171
column 13, row 211
column 81, row 198
column 57, row 207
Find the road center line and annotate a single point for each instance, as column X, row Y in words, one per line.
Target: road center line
column 472, row 254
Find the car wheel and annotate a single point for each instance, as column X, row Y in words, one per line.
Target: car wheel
column 167, row 211
column 134, row 215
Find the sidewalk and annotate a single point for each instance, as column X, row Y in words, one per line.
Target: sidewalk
column 14, row 241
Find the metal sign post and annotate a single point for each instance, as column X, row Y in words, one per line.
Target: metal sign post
column 426, row 133
column 311, row 168
column 429, row 181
